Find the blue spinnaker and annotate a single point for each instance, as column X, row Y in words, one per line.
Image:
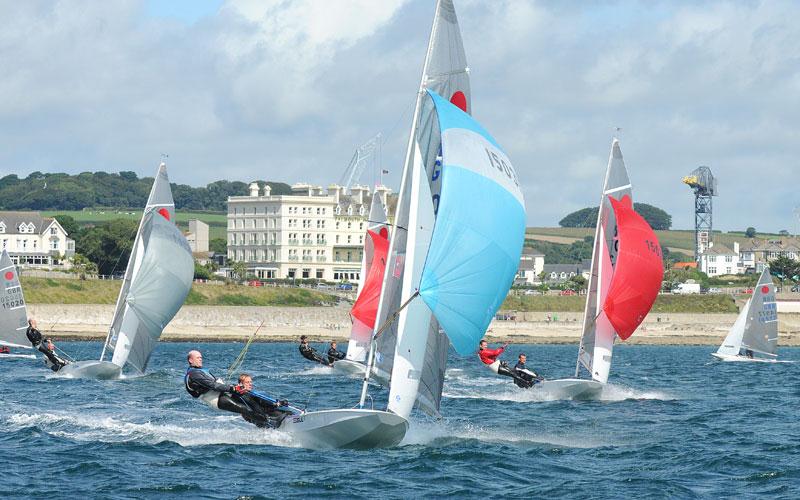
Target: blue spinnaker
column 479, row 231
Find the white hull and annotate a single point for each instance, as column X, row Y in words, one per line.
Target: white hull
column 745, row 359
column 351, row 428
column 348, row 367
column 99, row 370
column 570, row 388
column 18, row 356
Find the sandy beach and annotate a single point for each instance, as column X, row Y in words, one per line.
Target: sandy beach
column 234, row 324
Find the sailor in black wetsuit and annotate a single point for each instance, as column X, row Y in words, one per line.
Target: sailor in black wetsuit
column 202, row 384
column 310, row 353
column 334, row 354
column 264, row 411
column 43, row 345
column 525, row 373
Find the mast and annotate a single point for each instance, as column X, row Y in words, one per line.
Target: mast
column 412, row 137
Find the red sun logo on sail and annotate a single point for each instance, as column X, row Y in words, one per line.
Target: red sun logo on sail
column 460, row 100
column 9, row 275
column 164, row 213
column 765, row 289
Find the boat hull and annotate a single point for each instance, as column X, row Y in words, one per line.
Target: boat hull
column 744, row 359
column 347, row 367
column 571, row 388
column 98, row 370
column 349, row 428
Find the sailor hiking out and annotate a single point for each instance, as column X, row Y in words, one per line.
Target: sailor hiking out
column 489, row 358
column 334, row 354
column 44, row 345
column 525, row 373
column 310, row 353
column 201, row 384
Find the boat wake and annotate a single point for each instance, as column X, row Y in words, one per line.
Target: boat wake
column 193, row 432
column 447, row 433
column 509, row 392
column 312, row 372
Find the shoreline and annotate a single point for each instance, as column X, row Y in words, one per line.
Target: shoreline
column 323, row 324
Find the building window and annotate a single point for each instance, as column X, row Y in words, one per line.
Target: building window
column 729, row 258
column 53, row 231
column 306, row 273
column 712, row 270
column 337, row 238
column 349, row 238
column 349, row 225
column 291, row 273
column 361, row 226
column 2, row 227
column 320, row 274
column 337, row 224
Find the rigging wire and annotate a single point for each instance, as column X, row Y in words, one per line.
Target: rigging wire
column 240, row 358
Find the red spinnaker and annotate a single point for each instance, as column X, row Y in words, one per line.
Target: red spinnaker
column 638, row 272
column 366, row 307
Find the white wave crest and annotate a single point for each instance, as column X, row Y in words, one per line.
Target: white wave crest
column 221, row 429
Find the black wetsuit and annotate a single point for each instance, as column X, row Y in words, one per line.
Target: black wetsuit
column 263, row 412
column 199, row 381
column 529, row 380
column 334, row 355
column 310, row 353
column 39, row 343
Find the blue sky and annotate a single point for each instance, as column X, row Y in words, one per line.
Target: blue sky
column 286, row 90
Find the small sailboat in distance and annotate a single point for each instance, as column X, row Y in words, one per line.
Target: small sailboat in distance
column 157, row 280
column 365, row 308
column 13, row 311
column 754, row 335
column 626, row 275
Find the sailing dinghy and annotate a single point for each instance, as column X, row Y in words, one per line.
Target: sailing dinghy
column 754, row 335
column 365, row 308
column 450, row 264
column 626, row 275
column 13, row 312
column 157, row 280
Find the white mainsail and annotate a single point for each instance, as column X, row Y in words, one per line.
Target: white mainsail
column 13, row 311
column 157, row 280
column 597, row 340
column 755, row 332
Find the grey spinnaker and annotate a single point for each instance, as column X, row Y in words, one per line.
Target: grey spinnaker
column 13, row 311
column 157, row 280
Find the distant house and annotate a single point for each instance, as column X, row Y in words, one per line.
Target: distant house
column 531, row 264
column 35, row 241
column 756, row 254
column 719, row 260
column 560, row 273
column 682, row 266
column 197, row 236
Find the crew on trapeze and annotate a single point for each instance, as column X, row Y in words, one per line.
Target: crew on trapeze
column 526, row 373
column 44, row 345
column 310, row 353
column 201, row 384
column 335, row 354
column 489, row 358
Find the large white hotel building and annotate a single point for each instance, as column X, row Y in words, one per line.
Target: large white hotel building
column 306, row 235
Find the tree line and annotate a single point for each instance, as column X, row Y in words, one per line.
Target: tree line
column 40, row 191
column 587, row 217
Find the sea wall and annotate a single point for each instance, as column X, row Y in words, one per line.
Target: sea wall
column 230, row 323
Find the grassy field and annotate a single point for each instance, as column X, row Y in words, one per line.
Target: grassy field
column 217, row 221
column 682, row 240
column 664, row 303
column 71, row 291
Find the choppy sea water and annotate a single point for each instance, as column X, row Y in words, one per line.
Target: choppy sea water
column 672, row 423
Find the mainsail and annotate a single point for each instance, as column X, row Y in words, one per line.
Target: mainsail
column 756, row 327
column 626, row 272
column 13, row 312
column 444, row 72
column 157, row 280
column 464, row 265
column 373, row 266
